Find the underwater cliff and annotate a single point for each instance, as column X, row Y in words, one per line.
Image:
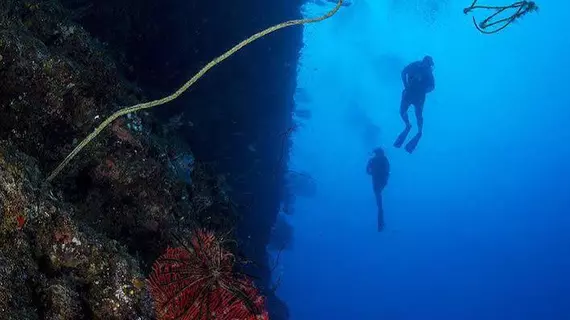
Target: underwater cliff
column 82, row 246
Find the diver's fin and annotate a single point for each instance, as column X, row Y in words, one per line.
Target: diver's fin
column 411, row 146
column 402, row 137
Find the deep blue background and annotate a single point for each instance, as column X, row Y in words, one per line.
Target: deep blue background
column 478, row 218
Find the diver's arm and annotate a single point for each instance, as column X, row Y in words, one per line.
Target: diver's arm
column 369, row 167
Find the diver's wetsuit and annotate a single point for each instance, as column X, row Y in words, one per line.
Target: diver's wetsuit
column 379, row 168
column 418, row 81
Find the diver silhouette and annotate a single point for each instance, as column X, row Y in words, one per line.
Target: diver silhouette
column 418, row 81
column 379, row 168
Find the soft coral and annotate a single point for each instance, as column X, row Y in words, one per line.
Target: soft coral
column 199, row 283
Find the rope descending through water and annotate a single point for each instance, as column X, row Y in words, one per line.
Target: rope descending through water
column 521, row 8
column 187, row 85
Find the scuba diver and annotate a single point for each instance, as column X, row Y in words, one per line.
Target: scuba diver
column 379, row 168
column 418, row 81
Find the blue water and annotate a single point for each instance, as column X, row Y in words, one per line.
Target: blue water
column 478, row 218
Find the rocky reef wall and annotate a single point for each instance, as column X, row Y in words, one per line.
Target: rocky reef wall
column 66, row 65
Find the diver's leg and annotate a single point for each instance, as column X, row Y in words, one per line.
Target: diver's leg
column 404, row 106
column 419, row 108
column 379, row 204
column 413, row 143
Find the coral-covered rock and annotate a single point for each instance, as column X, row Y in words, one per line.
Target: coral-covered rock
column 57, row 82
column 53, row 266
column 18, row 272
column 62, row 300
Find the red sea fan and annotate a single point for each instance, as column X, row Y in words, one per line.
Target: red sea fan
column 199, row 283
